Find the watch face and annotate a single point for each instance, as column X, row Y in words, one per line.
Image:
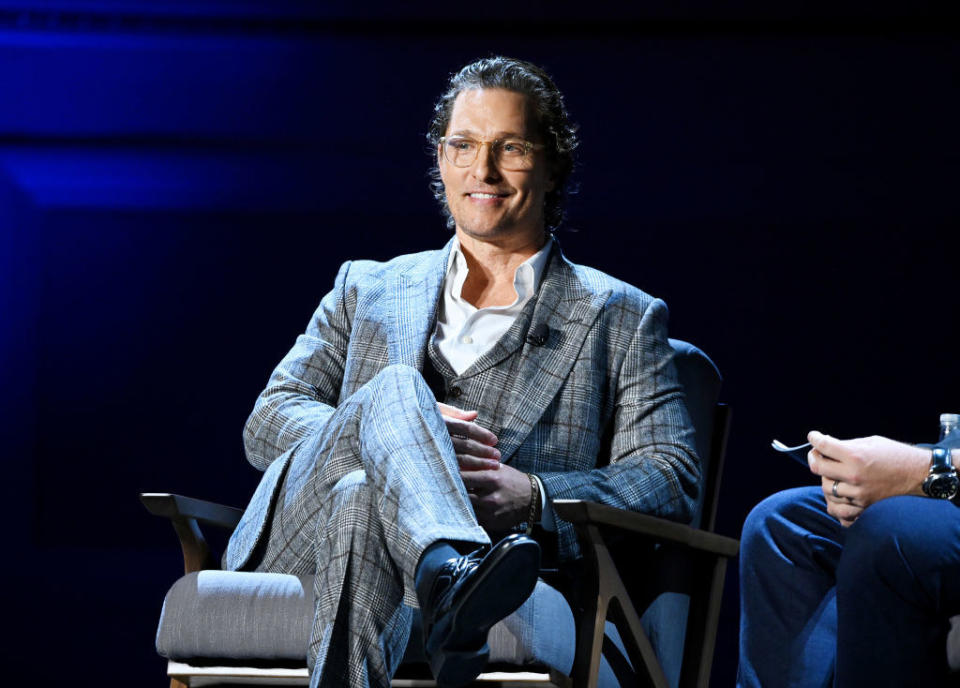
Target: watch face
column 942, row 485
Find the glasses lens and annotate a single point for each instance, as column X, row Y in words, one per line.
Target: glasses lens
column 460, row 151
column 512, row 154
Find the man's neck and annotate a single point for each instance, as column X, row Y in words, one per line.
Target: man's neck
column 492, row 268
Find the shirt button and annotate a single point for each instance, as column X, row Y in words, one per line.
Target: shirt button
column 466, row 339
column 456, row 392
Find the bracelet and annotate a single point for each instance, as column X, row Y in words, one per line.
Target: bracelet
column 534, row 503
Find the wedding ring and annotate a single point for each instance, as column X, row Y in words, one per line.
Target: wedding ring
column 836, row 483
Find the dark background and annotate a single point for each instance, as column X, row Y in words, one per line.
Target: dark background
column 180, row 180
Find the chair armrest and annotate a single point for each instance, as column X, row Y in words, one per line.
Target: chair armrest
column 174, row 506
column 185, row 514
column 580, row 512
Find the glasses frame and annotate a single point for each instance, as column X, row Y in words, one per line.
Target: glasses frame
column 527, row 148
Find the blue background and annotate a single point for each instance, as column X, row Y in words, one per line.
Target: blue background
column 180, row 180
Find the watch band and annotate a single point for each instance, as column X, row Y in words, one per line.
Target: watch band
column 942, row 461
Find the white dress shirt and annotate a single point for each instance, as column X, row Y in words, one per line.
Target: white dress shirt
column 464, row 332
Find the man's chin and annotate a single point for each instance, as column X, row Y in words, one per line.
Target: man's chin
column 492, row 228
column 482, row 231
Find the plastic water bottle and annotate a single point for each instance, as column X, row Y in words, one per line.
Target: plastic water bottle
column 949, row 422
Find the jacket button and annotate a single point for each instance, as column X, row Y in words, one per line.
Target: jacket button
column 456, row 392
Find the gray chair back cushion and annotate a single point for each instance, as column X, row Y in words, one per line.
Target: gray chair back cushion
column 953, row 644
column 665, row 619
column 701, row 382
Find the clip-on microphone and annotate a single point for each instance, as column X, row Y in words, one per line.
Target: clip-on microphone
column 538, row 335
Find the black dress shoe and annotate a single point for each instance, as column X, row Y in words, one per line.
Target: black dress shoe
column 468, row 596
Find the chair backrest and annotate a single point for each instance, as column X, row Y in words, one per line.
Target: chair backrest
column 701, row 383
column 665, row 593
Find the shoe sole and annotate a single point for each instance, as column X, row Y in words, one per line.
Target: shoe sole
column 504, row 582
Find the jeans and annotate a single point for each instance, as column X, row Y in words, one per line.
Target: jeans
column 870, row 605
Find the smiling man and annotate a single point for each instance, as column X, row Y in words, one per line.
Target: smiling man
column 437, row 403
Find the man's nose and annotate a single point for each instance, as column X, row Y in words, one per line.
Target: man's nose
column 485, row 166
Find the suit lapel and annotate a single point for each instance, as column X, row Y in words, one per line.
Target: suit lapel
column 414, row 296
column 568, row 309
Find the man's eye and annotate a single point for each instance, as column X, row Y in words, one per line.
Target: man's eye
column 513, row 147
column 462, row 144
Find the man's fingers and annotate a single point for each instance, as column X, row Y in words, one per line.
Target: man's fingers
column 829, row 468
column 476, row 463
column 829, row 447
column 462, row 445
column 467, row 430
column 454, row 412
column 839, row 492
column 461, row 425
column 845, row 513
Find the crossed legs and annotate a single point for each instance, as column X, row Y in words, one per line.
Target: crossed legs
column 789, row 552
column 359, row 504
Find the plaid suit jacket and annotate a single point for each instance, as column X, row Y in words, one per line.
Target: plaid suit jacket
column 596, row 411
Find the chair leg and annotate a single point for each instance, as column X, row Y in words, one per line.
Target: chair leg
column 642, row 656
column 702, row 627
column 590, row 642
column 612, row 599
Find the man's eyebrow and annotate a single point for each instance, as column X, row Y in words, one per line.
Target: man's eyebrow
column 499, row 135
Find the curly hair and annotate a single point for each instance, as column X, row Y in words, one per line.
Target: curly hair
column 553, row 122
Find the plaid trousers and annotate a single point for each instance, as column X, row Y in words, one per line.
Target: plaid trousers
column 357, row 508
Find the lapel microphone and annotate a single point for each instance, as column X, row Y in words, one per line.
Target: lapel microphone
column 538, row 335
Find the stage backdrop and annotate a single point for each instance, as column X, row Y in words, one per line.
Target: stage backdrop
column 179, row 182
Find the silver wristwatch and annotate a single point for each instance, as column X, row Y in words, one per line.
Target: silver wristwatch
column 942, row 481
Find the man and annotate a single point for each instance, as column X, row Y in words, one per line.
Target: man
column 447, row 396
column 852, row 583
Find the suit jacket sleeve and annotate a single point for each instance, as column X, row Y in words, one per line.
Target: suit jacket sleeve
column 304, row 389
column 652, row 466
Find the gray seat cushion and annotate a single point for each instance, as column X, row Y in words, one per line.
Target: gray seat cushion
column 953, row 644
column 231, row 615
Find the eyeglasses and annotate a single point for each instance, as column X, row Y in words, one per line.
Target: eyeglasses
column 508, row 154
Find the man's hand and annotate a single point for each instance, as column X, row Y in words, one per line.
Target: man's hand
column 856, row 473
column 501, row 498
column 500, row 494
column 475, row 445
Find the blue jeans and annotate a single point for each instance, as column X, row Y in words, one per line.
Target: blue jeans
column 822, row 605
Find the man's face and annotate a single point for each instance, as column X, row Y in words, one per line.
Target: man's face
column 488, row 202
